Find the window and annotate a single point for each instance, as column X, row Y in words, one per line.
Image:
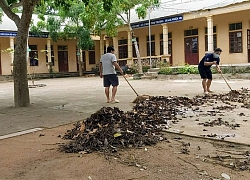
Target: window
column 214, row 38
column 92, row 56
column 134, row 52
column 191, row 32
column 235, row 26
column 62, row 48
column 52, row 55
column 235, row 38
column 169, row 44
column 33, row 55
column 152, row 45
column 123, row 48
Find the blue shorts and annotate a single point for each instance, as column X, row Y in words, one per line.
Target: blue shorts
column 205, row 73
column 110, row 79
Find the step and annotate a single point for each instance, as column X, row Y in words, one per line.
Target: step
column 153, row 70
column 155, row 74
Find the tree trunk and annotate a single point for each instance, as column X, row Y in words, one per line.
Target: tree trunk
column 139, row 65
column 21, row 89
column 79, row 58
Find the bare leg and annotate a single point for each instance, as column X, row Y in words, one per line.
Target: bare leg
column 114, row 90
column 204, row 85
column 107, row 93
column 209, row 81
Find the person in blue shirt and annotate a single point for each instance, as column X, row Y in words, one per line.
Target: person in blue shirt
column 205, row 69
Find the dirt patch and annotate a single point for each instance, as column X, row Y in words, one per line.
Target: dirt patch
column 36, row 156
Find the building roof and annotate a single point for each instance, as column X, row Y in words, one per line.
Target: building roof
column 9, row 25
column 167, row 8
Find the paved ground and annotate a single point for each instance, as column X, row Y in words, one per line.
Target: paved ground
column 62, row 101
column 67, row 100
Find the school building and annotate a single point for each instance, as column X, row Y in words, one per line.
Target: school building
column 181, row 33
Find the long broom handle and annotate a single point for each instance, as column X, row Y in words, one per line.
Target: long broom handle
column 226, row 81
column 130, row 86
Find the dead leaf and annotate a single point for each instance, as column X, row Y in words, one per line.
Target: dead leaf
column 82, row 127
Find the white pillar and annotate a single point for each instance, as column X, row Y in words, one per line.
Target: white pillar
column 101, row 44
column 107, row 43
column 210, row 33
column 165, row 39
column 115, row 43
column 49, row 50
column 81, row 59
column 12, row 52
column 130, row 49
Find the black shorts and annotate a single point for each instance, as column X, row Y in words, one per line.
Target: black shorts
column 110, row 79
column 205, row 73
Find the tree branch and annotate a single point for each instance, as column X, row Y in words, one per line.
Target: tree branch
column 7, row 10
column 15, row 5
column 123, row 18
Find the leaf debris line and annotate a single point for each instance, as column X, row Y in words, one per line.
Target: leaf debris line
column 111, row 129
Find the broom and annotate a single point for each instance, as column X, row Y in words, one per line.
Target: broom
column 138, row 98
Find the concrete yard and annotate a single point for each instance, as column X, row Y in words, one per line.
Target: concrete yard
column 62, row 101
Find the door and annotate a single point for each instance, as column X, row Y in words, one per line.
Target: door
column 63, row 59
column 191, row 50
column 170, row 51
column 248, row 44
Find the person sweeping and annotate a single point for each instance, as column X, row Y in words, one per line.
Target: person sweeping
column 205, row 69
column 107, row 66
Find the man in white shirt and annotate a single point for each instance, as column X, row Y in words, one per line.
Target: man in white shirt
column 107, row 66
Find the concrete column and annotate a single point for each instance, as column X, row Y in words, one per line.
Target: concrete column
column 130, row 49
column 115, row 43
column 49, row 49
column 107, row 43
column 101, row 44
column 12, row 52
column 210, row 33
column 83, row 63
column 166, row 55
column 165, row 39
column 49, row 53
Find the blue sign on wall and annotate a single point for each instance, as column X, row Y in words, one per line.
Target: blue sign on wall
column 157, row 21
column 13, row 33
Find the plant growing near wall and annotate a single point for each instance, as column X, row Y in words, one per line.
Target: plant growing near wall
column 166, row 70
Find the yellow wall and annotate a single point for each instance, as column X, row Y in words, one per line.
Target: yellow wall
column 41, row 45
column 191, row 21
column 177, row 29
column 5, row 57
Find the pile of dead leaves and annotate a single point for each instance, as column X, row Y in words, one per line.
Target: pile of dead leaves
column 111, row 128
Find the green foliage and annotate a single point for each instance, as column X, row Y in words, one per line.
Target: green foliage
column 132, row 70
column 145, row 68
column 85, row 41
column 53, row 26
column 9, row 2
column 1, row 15
column 166, row 70
column 187, row 69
